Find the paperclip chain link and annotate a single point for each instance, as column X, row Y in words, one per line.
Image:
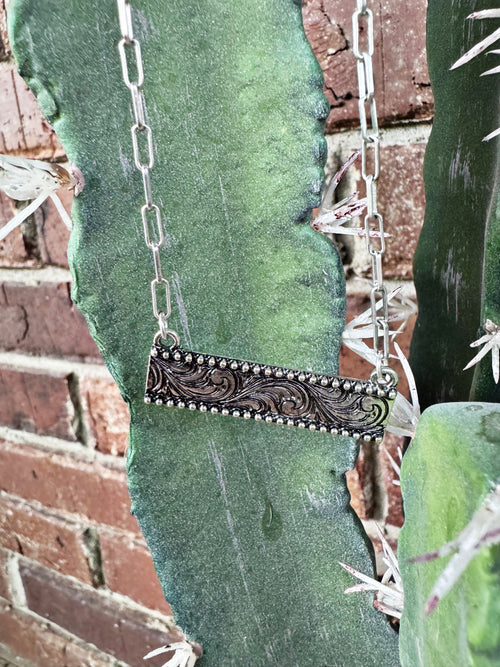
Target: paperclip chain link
column 362, row 22
column 142, row 143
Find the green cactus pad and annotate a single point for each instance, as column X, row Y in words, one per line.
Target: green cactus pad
column 451, row 466
column 245, row 521
column 457, row 262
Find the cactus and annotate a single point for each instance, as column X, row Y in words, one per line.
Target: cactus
column 446, row 474
column 452, row 465
column 457, row 262
column 245, row 521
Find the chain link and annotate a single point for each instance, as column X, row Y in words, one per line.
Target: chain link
column 362, row 24
column 370, row 158
column 143, row 149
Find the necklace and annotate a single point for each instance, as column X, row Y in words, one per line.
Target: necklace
column 250, row 390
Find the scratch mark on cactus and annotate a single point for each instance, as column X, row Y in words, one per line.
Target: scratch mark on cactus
column 452, row 281
column 459, row 168
column 126, row 162
column 219, row 470
column 269, row 649
column 312, row 499
column 176, row 286
column 226, row 215
column 243, row 458
column 145, row 25
column 321, row 504
column 188, row 117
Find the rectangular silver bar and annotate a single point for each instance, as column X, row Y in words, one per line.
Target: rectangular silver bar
column 221, row 385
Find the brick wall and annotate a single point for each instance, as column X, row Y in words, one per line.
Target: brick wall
column 77, row 585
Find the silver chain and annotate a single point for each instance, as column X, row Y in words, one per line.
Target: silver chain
column 143, row 135
column 362, row 20
column 142, row 143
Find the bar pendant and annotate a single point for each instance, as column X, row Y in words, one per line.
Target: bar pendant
column 221, row 385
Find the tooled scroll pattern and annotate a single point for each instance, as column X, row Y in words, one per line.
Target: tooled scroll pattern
column 236, row 389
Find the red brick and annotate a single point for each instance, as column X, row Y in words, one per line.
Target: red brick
column 66, row 484
column 401, row 197
column 13, row 322
column 43, row 320
column 53, row 542
column 13, row 252
column 5, row 556
column 52, row 233
column 126, row 633
column 400, row 67
column 107, row 414
column 23, row 130
column 34, row 639
column 128, row 569
column 37, row 403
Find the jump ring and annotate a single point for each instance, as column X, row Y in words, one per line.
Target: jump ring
column 388, row 377
column 163, row 335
